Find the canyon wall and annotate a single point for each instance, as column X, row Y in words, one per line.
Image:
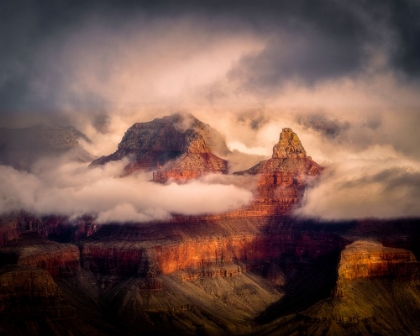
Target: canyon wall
column 368, row 259
column 31, row 250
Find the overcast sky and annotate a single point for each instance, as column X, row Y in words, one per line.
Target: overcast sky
column 345, row 75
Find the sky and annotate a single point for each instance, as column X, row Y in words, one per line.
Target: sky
column 344, row 75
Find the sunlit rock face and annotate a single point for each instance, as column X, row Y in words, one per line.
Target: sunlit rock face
column 289, row 146
column 368, row 259
column 178, row 146
column 199, row 248
column 283, row 178
column 376, row 292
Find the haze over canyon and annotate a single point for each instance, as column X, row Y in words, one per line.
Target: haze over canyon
column 209, row 168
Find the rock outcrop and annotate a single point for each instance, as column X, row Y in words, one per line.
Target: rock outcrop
column 283, row 178
column 289, row 146
column 376, row 293
column 177, row 146
column 30, row 249
column 369, row 259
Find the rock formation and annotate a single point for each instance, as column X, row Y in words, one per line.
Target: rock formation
column 255, row 269
column 369, row 259
column 21, row 147
column 289, row 146
column 376, row 293
column 30, row 249
column 283, row 178
column 198, row 249
column 178, row 146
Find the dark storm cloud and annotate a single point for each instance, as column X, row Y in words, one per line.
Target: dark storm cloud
column 308, row 41
column 329, row 126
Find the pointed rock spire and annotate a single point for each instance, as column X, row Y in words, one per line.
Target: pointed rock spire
column 289, row 146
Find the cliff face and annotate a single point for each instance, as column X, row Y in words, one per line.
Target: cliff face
column 29, row 249
column 367, row 259
column 376, row 293
column 22, row 286
column 198, row 249
column 289, row 146
column 283, row 178
column 179, row 146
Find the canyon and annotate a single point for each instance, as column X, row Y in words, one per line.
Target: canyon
column 254, row 270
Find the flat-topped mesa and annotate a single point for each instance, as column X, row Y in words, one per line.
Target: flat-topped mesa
column 289, row 146
column 368, row 259
column 179, row 146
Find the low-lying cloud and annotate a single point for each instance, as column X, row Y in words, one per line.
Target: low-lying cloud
column 72, row 189
column 362, row 188
column 344, row 76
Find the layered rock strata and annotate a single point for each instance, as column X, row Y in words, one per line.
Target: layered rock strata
column 283, row 178
column 376, row 293
column 177, row 146
column 198, row 249
column 369, row 259
column 30, row 249
column 22, row 288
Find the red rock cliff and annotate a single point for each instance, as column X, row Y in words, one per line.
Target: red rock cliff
column 368, row 259
column 202, row 248
column 283, row 178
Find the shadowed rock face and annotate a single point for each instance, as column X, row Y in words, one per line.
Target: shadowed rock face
column 21, row 285
column 376, row 293
column 30, row 249
column 283, row 178
column 21, row 147
column 179, row 146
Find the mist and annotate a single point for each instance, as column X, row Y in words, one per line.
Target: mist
column 69, row 188
column 347, row 85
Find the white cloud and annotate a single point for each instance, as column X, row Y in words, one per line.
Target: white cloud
column 72, row 189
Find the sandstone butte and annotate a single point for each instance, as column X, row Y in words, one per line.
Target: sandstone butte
column 225, row 244
column 219, row 245
column 376, row 292
column 369, row 259
column 178, row 146
column 282, row 179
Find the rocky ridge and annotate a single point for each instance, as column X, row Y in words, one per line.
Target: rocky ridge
column 178, row 146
